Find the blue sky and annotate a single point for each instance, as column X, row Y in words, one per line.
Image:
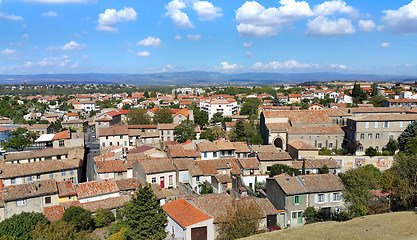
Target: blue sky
column 138, row 36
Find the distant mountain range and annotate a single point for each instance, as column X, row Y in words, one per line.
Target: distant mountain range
column 195, row 78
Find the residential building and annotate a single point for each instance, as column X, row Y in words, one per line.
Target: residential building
column 97, row 190
column 166, row 131
column 298, row 149
column 117, row 135
column 159, row 171
column 222, row 106
column 110, row 169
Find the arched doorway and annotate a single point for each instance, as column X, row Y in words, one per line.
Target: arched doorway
column 278, row 142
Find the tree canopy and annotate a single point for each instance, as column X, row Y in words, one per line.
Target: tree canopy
column 138, row 117
column 79, row 217
column 20, row 139
column 162, row 115
column 185, row 131
column 19, row 225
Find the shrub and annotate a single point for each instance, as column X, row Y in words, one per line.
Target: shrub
column 103, row 218
column 79, row 217
column 310, row 215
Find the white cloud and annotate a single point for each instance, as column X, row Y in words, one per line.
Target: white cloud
column 366, row 25
column 179, row 18
column 5, row 16
column 7, row 52
column 336, row 6
column 226, row 66
column 107, row 20
column 28, row 64
column 337, row 66
column 150, row 42
column 206, row 11
column 71, row 46
column 249, row 54
column 143, row 54
column 15, row 44
column 178, row 37
column 403, row 20
column 385, row 45
column 247, row 44
column 170, row 66
column 323, row 27
column 194, row 37
column 59, row 1
column 61, row 61
column 85, row 57
column 257, row 21
column 49, row 14
column 275, row 65
column 25, row 36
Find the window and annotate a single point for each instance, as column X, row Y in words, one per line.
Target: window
column 170, row 179
column 296, row 200
column 361, row 148
column 38, row 176
column 153, row 180
column 401, row 124
column 391, row 137
column 370, row 136
column 294, row 215
column 377, row 148
column 168, row 139
column 362, row 136
column 118, row 144
column 197, row 179
column 330, row 145
column 121, row 137
column 111, row 143
column 320, row 198
column 376, row 125
column 107, row 137
column 61, row 143
column 319, row 145
column 366, row 124
column 13, row 180
column 71, row 172
column 21, row 202
column 214, row 154
column 386, row 124
column 377, row 136
column 70, row 197
column 51, row 175
column 48, row 200
column 103, row 144
column 63, row 173
column 337, row 197
column 30, row 179
column 205, row 154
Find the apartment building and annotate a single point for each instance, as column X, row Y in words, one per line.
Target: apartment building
column 222, row 106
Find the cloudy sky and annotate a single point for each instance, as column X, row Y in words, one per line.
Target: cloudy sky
column 148, row 36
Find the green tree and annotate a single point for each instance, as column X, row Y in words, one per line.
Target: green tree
column 357, row 183
column 208, row 134
column 185, row 131
column 19, row 139
column 81, row 218
column 200, row 117
column 163, row 115
column 205, row 189
column 310, row 215
column 238, row 132
column 392, row 146
column 153, row 95
column 277, row 169
column 250, row 107
column 103, row 218
column 411, row 146
column 58, row 230
column 377, row 100
column 138, row 117
column 358, row 94
column 324, row 170
column 19, row 225
column 217, row 117
column 242, row 219
column 146, row 94
column 374, row 87
column 409, row 132
column 144, row 216
column 370, row 151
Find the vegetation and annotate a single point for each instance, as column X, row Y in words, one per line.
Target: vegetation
column 19, row 139
column 324, row 170
column 185, row 131
column 58, row 230
column 138, row 117
column 19, row 225
column 310, row 215
column 213, row 133
column 409, row 132
column 103, row 218
column 242, row 219
column 200, row 117
column 79, row 217
column 250, row 107
column 370, row 151
column 277, row 169
column 162, row 115
column 358, row 94
column 246, row 132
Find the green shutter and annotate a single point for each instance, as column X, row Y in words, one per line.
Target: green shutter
column 293, row 200
column 301, row 200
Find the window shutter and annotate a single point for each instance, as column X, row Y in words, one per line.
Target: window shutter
column 301, row 200
column 316, row 198
column 326, row 197
column 331, row 197
column 293, row 200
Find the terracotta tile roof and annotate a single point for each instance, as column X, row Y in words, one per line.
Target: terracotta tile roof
column 76, row 152
column 249, row 163
column 378, row 110
column 53, row 213
column 309, row 183
column 265, row 205
column 142, row 126
column 332, row 129
column 71, row 114
column 385, row 117
column 402, row 100
column 290, row 185
column 141, row 149
column 264, row 148
column 66, row 188
column 241, row 147
column 123, row 112
column 151, row 166
column 109, row 203
column 223, row 178
column 34, row 168
column 110, row 166
column 68, row 204
column 183, row 111
column 115, row 130
column 227, row 163
column 112, row 113
column 307, row 116
column 187, row 142
column 184, row 213
column 104, row 120
column 134, row 132
column 167, row 126
column 128, row 184
column 62, row 135
column 207, row 146
column 278, row 126
column 176, row 151
column 30, row 190
column 224, row 145
column 206, row 167
column 96, row 188
column 301, row 145
column 274, row 156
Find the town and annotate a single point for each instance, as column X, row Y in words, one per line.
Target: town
column 279, row 156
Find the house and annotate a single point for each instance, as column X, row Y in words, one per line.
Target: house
column 68, row 139
column 222, row 106
column 299, row 149
column 313, row 166
column 208, row 150
column 97, row 190
column 251, row 172
column 66, row 191
column 166, row 131
column 400, row 103
column 70, row 116
column 111, row 204
column 128, row 186
column 159, row 170
column 178, row 151
column 186, row 221
column 377, row 129
column 29, row 197
column 241, row 149
column 78, row 125
column 295, row 194
column 40, row 129
column 117, row 135
column 110, row 169
column 294, row 98
column 315, row 106
column 267, row 159
column 183, row 114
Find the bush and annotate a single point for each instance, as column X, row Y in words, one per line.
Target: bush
column 386, row 153
column 310, row 215
column 79, row 217
column 19, row 225
column 103, row 218
column 325, row 151
column 370, row 151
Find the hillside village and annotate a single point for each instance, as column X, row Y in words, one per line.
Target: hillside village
column 199, row 148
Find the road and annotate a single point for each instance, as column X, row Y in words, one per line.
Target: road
column 93, row 149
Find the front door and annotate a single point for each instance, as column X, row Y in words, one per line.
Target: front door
column 300, row 217
column 271, row 221
column 162, row 182
column 199, row 233
column 282, row 220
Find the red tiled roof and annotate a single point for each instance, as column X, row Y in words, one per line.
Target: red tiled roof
column 90, row 189
column 53, row 213
column 66, row 188
column 110, row 166
column 141, row 149
column 62, row 135
column 123, row 112
column 301, row 145
column 113, row 113
column 128, row 184
column 184, row 213
column 109, row 203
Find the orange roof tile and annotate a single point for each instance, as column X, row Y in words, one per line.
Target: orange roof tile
column 184, row 213
column 62, row 135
